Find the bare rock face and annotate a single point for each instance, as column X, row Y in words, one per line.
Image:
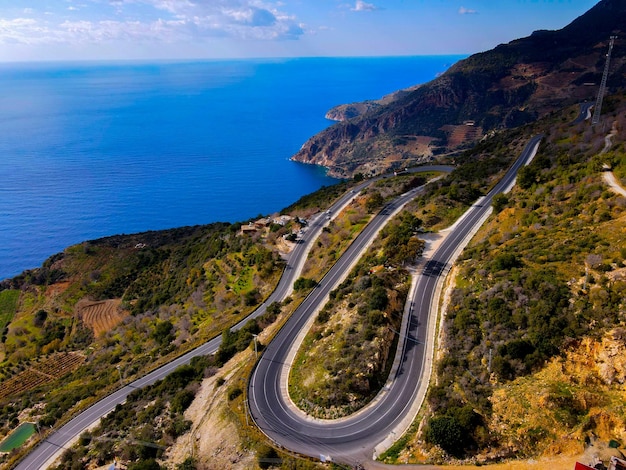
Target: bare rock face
column 596, row 361
column 508, row 86
column 611, row 358
column 343, row 112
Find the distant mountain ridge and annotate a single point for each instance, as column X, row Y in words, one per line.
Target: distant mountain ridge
column 507, row 86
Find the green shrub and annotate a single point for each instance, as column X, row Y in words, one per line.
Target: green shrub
column 149, row 464
column 499, row 202
column 266, row 456
column 182, row 400
column 188, row 464
column 303, row 283
column 374, row 201
column 446, row 432
column 163, row 333
column 234, row 392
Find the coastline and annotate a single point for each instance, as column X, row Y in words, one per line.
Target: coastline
column 166, row 160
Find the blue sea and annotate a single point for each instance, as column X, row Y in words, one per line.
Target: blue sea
column 95, row 149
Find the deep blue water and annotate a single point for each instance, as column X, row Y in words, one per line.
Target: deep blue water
column 89, row 150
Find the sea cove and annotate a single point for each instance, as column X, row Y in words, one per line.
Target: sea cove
column 95, row 149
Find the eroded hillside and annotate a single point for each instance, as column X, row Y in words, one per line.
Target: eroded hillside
column 505, row 87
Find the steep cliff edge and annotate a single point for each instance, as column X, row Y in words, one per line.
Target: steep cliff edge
column 507, row 86
column 343, row 112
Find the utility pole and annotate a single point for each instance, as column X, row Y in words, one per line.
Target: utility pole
column 120, row 372
column 597, row 108
column 256, row 352
column 38, row 430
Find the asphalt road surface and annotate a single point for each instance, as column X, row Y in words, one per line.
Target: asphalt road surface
column 353, row 439
column 60, row 438
column 585, row 112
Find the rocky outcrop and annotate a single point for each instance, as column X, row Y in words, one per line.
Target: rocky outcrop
column 611, row 358
column 505, row 87
column 343, row 112
column 588, row 380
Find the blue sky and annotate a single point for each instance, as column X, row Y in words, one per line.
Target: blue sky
column 183, row 29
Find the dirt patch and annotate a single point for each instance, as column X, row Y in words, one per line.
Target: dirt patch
column 101, row 316
column 284, row 247
column 57, row 289
column 555, row 463
column 214, row 440
column 460, row 134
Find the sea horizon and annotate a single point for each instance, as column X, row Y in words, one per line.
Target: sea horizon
column 99, row 148
column 458, row 56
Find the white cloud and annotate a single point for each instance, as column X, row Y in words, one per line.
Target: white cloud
column 169, row 21
column 466, row 11
column 248, row 19
column 104, row 31
column 252, row 16
column 360, row 5
column 26, row 31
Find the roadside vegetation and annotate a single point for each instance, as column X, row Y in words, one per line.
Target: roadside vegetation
column 105, row 311
column 156, row 428
column 542, row 282
column 343, row 229
column 538, row 292
column 8, row 307
column 346, row 356
column 478, row 169
column 108, row 310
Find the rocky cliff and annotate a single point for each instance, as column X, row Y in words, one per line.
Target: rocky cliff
column 343, row 112
column 507, row 86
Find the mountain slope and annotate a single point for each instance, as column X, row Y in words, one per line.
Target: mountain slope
column 507, row 86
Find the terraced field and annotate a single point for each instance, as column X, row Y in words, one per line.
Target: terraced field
column 102, row 316
column 54, row 367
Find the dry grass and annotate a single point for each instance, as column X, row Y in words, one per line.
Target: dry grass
column 552, row 463
column 221, row 436
column 335, row 240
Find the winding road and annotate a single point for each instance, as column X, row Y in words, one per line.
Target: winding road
column 55, row 442
column 358, row 438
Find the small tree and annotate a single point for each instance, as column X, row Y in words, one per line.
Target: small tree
column 40, row 318
column 304, row 283
column 188, row 464
column 499, row 202
column 266, row 456
column 374, row 201
column 182, row 400
column 163, row 333
column 149, row 464
column 445, row 431
column 378, row 299
column 526, row 177
column 252, row 297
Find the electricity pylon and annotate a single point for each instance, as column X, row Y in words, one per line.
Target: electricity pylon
column 596, row 109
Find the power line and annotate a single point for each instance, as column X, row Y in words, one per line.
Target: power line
column 597, row 108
